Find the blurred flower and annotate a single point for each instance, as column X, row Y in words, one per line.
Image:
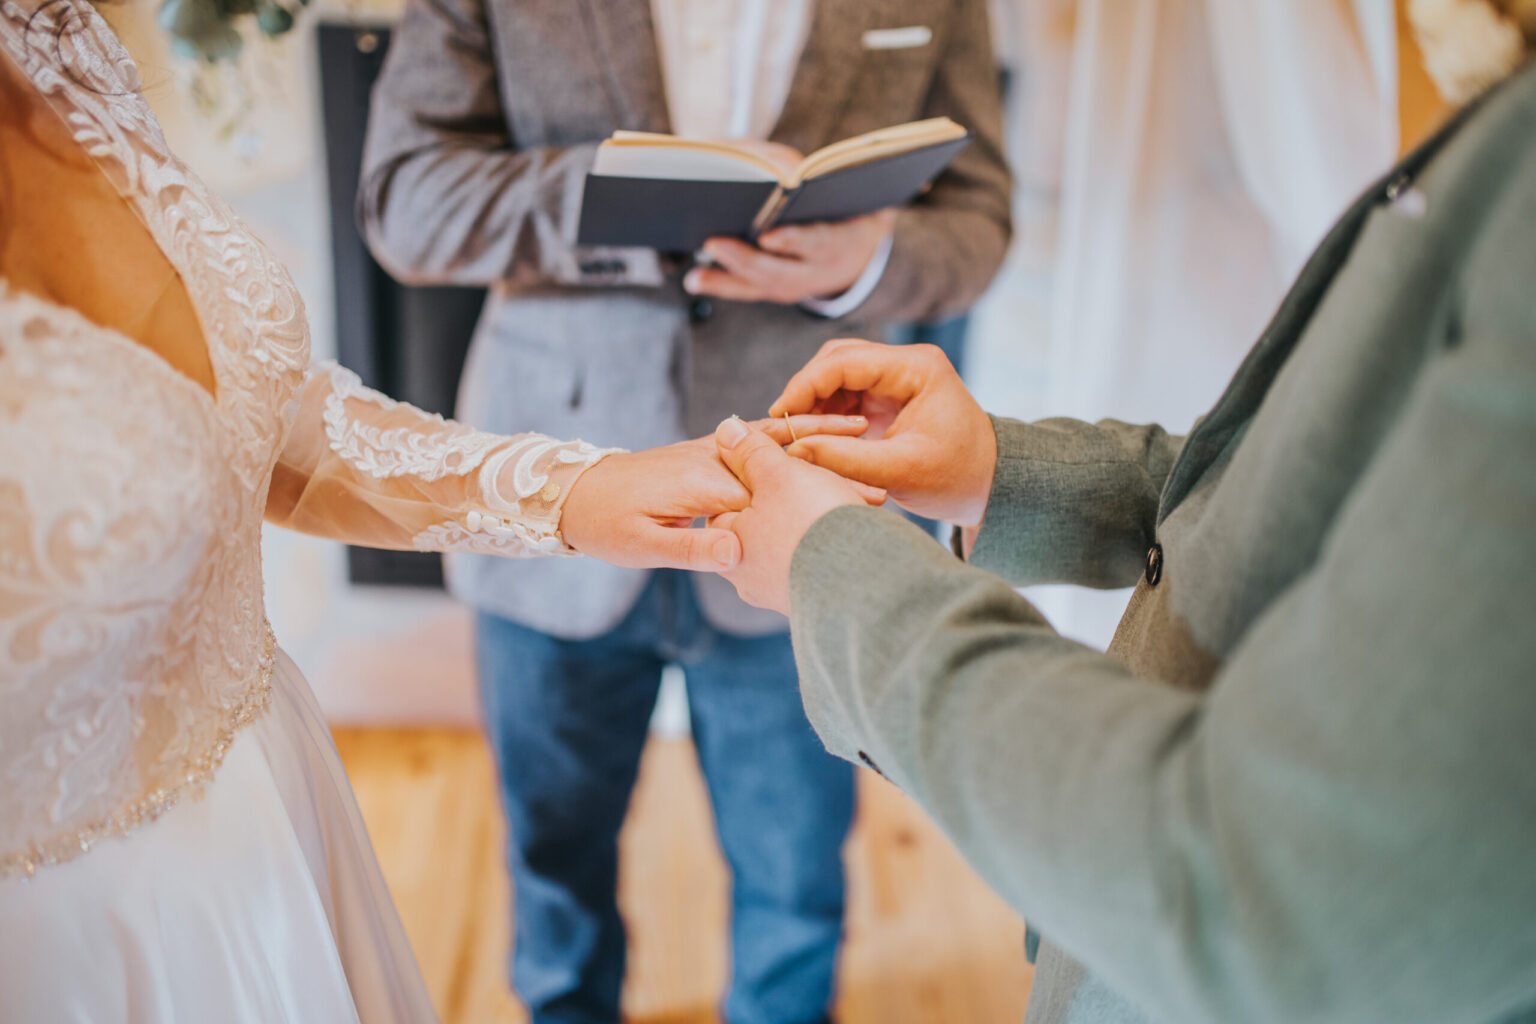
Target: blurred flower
column 1469, row 45
column 209, row 30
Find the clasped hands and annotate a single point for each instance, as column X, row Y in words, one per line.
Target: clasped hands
column 861, row 422
column 635, row 509
column 929, row 447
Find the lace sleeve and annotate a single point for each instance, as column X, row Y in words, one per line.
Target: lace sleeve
column 362, row 468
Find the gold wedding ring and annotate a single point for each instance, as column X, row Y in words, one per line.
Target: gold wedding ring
column 791, row 426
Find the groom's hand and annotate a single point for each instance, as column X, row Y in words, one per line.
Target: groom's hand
column 636, row 509
column 931, row 446
column 787, row 497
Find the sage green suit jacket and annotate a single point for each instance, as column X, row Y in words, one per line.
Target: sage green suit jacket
column 1301, row 786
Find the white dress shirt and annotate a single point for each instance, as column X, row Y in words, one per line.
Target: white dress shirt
column 728, row 66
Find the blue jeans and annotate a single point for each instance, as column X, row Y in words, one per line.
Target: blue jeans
column 568, row 720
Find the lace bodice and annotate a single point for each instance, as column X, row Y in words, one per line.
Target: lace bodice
column 133, row 642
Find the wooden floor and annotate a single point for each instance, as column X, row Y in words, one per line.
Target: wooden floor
column 926, row 941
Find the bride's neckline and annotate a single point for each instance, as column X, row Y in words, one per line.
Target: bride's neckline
column 137, row 350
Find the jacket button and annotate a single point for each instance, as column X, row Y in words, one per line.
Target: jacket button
column 700, row 310
column 870, row 763
column 1154, row 564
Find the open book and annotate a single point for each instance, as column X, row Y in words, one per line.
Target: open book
column 668, row 193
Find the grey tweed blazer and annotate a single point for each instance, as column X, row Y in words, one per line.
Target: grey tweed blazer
column 1301, row 786
column 484, row 122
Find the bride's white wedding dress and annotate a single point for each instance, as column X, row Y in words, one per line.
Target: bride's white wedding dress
column 177, row 838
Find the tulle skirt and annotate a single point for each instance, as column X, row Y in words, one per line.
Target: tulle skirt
column 260, row 903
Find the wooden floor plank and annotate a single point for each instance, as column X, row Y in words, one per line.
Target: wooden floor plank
column 926, row 941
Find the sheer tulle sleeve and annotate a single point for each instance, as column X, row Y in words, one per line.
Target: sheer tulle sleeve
column 362, row 468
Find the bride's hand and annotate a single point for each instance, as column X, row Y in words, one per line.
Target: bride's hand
column 635, row 509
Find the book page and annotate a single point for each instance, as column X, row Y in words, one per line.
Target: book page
column 876, row 145
column 644, row 155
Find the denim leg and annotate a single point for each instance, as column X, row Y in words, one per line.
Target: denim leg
column 783, row 807
column 567, row 721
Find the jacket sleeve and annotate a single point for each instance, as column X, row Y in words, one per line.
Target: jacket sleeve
column 1073, row 502
column 1343, row 827
column 948, row 244
column 447, row 195
column 364, row 469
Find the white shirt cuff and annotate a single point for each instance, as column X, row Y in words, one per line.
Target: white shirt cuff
column 853, row 298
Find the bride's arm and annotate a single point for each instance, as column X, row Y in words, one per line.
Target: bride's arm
column 361, row 468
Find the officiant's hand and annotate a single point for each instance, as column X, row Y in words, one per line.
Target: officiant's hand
column 930, row 445
column 788, row 495
column 635, row 509
column 794, row 263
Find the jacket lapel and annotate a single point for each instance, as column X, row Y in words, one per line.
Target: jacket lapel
column 625, row 40
column 826, row 72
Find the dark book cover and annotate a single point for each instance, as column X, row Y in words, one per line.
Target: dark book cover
column 679, row 216
column 665, row 213
column 865, row 188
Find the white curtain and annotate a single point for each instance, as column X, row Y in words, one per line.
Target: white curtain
column 1201, row 148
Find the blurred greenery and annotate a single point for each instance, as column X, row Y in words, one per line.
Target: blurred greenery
column 209, row 30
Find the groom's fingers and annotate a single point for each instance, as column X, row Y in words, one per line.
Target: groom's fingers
column 797, row 427
column 873, row 464
column 697, row 497
column 752, row 455
column 846, row 364
column 702, row 550
column 826, row 375
column 724, row 521
column 875, row 496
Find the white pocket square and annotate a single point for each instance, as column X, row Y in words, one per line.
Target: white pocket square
column 908, row 38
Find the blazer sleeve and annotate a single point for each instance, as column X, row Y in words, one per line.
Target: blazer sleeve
column 1343, row 827
column 1073, row 502
column 948, row 244
column 447, row 195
